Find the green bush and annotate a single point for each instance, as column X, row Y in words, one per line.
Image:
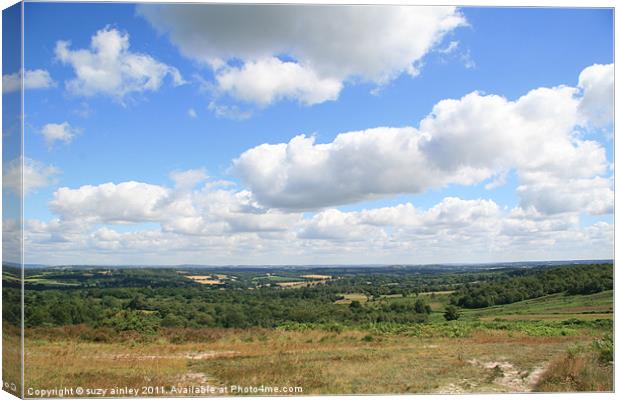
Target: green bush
column 604, row 348
column 452, row 313
column 368, row 338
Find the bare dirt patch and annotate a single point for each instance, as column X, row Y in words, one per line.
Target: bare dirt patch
column 503, row 376
column 194, row 378
column 211, row 354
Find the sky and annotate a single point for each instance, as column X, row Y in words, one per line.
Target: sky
column 238, row 134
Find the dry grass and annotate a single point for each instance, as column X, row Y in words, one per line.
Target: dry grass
column 293, row 284
column 298, row 284
column 580, row 372
column 547, row 317
column 205, row 279
column 319, row 277
column 348, row 298
column 11, row 357
column 321, row 362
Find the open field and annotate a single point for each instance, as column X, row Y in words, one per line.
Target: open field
column 300, row 284
column 553, row 307
column 349, row 297
column 359, row 333
column 318, row 277
column 11, row 357
column 205, row 280
column 440, row 357
column 319, row 361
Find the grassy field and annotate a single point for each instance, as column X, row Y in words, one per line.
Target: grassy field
column 351, row 335
column 11, row 357
column 496, row 349
column 319, row 361
column 348, row 298
column 552, row 307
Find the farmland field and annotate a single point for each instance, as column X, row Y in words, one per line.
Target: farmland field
column 182, row 336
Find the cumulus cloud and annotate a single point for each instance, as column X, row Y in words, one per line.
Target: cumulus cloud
column 117, row 203
column 462, row 141
column 33, row 79
column 355, row 166
column 216, row 226
column 194, row 206
column 11, row 240
column 552, row 195
column 457, row 229
column 335, row 225
column 58, row 133
column 323, row 46
column 31, row 174
column 597, row 83
column 187, row 180
column 267, row 80
column 452, row 215
column 108, row 67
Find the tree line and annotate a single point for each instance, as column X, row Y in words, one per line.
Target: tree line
column 147, row 309
column 528, row 284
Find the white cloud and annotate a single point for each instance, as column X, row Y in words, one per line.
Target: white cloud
column 597, row 83
column 552, row 195
column 355, row 166
column 108, row 67
column 34, row 175
column 229, row 228
column 453, row 215
column 229, row 111
column 450, row 48
column 462, row 141
column 207, row 221
column 58, row 133
column 192, row 113
column 326, row 45
column 335, row 225
column 33, row 79
column 187, row 180
column 267, row 80
column 455, row 230
column 468, row 60
column 115, row 203
column 11, row 239
column 194, row 206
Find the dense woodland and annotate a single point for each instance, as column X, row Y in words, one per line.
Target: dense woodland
column 528, row 284
column 146, row 299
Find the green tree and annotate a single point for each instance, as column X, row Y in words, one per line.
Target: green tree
column 355, row 304
column 452, row 313
column 421, row 307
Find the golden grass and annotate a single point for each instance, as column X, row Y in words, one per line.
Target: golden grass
column 577, row 372
column 298, row 284
column 11, row 358
column 293, row 284
column 547, row 317
column 205, row 279
column 321, row 362
column 348, row 298
column 319, row 277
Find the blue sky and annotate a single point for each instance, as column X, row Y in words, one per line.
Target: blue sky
column 144, row 135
